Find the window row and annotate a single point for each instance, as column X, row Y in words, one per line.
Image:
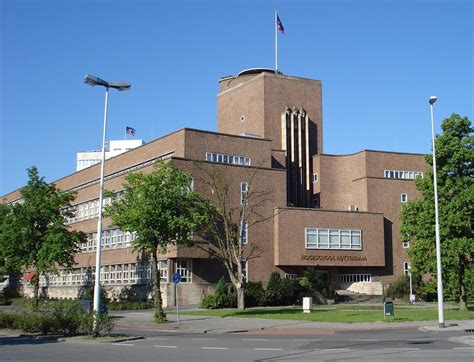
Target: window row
column 333, row 239
column 355, row 278
column 404, row 175
column 87, row 163
column 89, row 209
column 229, row 159
column 128, row 273
column 112, row 238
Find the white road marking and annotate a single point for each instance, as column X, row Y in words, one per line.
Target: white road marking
column 123, row 344
column 164, row 346
column 214, row 348
column 255, row 339
column 463, row 348
column 402, row 349
column 268, row 349
column 306, row 340
column 335, row 349
column 203, row 339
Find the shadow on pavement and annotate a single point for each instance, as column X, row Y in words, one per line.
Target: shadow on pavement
column 22, row 340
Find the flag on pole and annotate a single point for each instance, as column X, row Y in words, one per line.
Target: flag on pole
column 129, row 130
column 280, row 25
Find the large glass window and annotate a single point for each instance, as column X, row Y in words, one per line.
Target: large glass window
column 244, row 190
column 402, row 175
column 228, row 159
column 319, row 238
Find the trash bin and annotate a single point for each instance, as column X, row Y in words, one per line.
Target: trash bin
column 388, row 309
column 307, row 304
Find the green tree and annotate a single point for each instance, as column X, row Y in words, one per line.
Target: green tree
column 454, row 157
column 33, row 232
column 162, row 209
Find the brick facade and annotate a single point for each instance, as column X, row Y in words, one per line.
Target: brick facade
column 250, row 111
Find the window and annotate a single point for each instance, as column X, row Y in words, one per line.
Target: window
column 163, row 267
column 355, row 278
column 406, row 244
column 333, row 239
column 227, row 159
column 244, row 190
column 406, row 267
column 245, row 270
column 316, row 202
column 315, row 177
column 185, row 268
column 402, row 175
column 404, row 198
column 290, row 276
column 244, row 233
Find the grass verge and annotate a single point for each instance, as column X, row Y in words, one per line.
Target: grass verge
column 353, row 315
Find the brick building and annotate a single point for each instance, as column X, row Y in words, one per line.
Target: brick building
column 339, row 213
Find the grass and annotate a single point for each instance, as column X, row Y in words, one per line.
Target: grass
column 348, row 314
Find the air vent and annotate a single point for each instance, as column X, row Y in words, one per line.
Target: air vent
column 353, row 208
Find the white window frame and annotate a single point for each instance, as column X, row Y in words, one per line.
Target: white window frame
column 406, row 244
column 244, row 233
column 185, row 268
column 333, row 239
column 244, row 193
column 315, row 177
column 406, row 267
column 404, row 198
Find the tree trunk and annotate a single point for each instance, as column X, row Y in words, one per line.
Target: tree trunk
column 240, row 296
column 159, row 315
column 462, row 287
column 36, row 289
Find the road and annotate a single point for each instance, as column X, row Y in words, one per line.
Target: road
column 375, row 345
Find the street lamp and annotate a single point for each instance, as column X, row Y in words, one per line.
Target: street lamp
column 120, row 86
column 432, row 100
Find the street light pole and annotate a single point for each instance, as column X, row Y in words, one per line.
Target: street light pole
column 99, row 223
column 432, row 100
column 120, row 86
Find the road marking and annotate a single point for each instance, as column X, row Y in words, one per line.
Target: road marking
column 164, row 346
column 268, row 349
column 203, row 339
column 364, row 340
column 335, row 349
column 463, row 348
column 306, row 340
column 401, row 349
column 255, row 339
column 124, row 344
column 214, row 348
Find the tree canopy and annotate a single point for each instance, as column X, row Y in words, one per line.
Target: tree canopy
column 33, row 231
column 163, row 210
column 454, row 157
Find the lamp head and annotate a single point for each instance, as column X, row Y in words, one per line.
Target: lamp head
column 120, row 86
column 93, row 81
column 432, row 99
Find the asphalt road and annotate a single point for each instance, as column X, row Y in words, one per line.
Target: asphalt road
column 375, row 345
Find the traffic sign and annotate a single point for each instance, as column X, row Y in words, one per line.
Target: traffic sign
column 176, row 278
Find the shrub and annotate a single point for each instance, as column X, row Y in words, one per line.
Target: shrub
column 400, row 289
column 210, row 302
column 136, row 305
column 58, row 319
column 274, row 294
column 290, row 290
column 254, row 294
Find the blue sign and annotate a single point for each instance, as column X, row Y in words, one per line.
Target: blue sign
column 176, row 278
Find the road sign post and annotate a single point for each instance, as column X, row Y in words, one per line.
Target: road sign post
column 176, row 280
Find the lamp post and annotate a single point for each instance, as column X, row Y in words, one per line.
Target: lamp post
column 120, row 86
column 411, row 298
column 432, row 100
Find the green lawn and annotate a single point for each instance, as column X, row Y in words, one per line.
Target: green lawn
column 348, row 314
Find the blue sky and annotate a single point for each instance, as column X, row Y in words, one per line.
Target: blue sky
column 379, row 61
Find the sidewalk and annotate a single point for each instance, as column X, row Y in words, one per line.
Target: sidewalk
column 136, row 321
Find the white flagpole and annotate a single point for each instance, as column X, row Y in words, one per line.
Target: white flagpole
column 125, row 133
column 276, row 42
